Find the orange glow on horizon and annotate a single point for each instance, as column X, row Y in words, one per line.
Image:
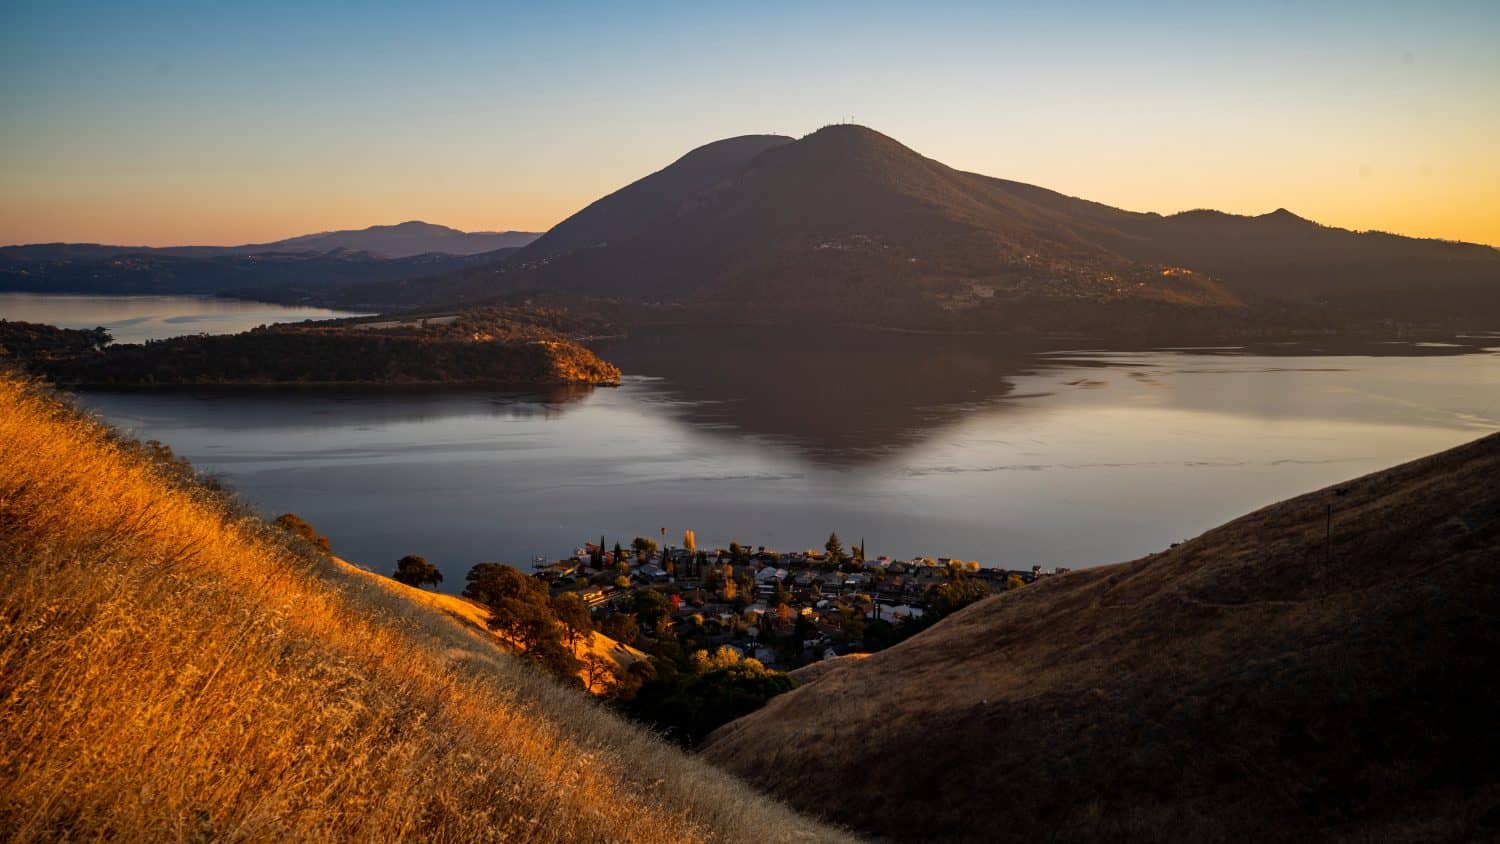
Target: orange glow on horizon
column 199, row 217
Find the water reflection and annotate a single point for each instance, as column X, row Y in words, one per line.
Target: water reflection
column 847, row 398
column 836, row 397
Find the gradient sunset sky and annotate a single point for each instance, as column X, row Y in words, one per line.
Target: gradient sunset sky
column 158, row 123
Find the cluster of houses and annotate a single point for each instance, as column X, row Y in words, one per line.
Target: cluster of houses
column 737, row 596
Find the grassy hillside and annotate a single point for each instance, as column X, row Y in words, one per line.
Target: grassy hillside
column 475, row 617
column 1256, row 683
column 173, row 669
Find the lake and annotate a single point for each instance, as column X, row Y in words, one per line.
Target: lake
column 936, row 446
column 136, row 319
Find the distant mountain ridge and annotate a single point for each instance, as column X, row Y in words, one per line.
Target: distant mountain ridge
column 402, row 240
column 848, row 221
column 288, row 270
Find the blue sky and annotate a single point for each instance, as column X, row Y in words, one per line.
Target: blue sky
column 157, row 123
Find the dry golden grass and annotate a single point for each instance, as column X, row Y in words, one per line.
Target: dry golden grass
column 817, row 670
column 172, row 669
column 475, row 617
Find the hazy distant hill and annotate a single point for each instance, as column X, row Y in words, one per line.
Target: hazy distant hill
column 281, row 276
column 848, row 221
column 398, row 241
column 285, row 270
column 1254, row 683
column 1283, row 256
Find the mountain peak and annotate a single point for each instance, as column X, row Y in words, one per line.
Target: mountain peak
column 853, row 136
column 1281, row 215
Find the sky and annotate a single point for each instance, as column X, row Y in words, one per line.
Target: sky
column 196, row 123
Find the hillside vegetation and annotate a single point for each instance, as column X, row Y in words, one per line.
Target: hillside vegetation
column 485, row 346
column 1258, row 683
column 174, row 669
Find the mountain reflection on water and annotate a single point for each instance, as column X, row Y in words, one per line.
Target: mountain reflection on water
column 834, row 397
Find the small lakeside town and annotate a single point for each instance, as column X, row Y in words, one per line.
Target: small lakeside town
column 784, row 609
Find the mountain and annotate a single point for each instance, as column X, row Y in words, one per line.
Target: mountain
column 648, row 201
column 290, row 270
column 1270, row 680
column 1283, row 257
column 848, row 222
column 844, row 220
column 399, row 241
column 402, row 240
column 174, row 668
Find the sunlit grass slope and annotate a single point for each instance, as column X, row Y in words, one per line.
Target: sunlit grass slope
column 172, row 669
column 475, row 618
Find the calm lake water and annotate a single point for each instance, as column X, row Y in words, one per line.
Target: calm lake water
column 932, row 446
column 136, row 319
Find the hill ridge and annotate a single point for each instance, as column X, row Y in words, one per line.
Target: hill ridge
column 1254, row 682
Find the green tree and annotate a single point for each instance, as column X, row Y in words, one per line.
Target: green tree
column 573, row 614
column 490, row 583
column 556, row 659
column 643, row 547
column 835, row 549
column 689, row 702
column 529, row 625
column 416, row 571
column 650, row 607
column 954, row 595
column 599, row 675
column 521, row 612
column 622, row 627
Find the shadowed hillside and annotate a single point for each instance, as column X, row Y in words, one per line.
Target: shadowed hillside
column 648, row 201
column 845, row 221
column 172, row 669
column 1281, row 256
column 1251, row 684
